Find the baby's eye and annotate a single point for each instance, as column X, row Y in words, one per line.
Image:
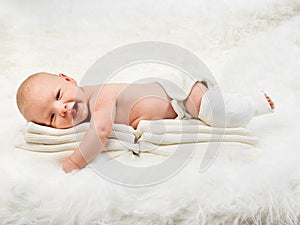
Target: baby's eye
column 58, row 95
column 52, row 117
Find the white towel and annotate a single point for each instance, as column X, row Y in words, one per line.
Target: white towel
column 39, row 129
column 37, row 134
column 185, row 126
column 38, row 141
column 170, row 139
column 42, row 140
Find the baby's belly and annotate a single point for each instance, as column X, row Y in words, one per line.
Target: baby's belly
column 150, row 109
column 143, row 102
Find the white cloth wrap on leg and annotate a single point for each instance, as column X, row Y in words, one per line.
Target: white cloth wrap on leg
column 226, row 110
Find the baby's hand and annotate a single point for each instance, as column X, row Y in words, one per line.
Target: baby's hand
column 68, row 165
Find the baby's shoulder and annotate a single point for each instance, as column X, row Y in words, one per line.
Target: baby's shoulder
column 111, row 89
column 106, row 94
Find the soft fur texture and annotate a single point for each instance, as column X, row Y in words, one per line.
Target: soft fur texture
column 249, row 46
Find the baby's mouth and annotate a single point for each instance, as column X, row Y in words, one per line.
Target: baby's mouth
column 75, row 110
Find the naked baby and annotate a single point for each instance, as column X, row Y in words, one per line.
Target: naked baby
column 57, row 101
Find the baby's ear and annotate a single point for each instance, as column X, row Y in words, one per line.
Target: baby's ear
column 67, row 78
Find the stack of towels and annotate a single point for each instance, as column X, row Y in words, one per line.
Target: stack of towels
column 51, row 143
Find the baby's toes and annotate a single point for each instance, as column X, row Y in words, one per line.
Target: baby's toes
column 271, row 103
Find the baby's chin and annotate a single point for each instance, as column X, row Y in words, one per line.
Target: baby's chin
column 77, row 123
column 84, row 119
column 70, row 124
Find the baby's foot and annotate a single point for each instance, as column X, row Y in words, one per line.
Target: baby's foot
column 261, row 105
column 270, row 101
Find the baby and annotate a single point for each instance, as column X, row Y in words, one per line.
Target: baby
column 56, row 101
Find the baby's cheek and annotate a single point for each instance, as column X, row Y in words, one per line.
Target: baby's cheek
column 65, row 122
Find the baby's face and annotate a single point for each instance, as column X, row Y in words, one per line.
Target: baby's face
column 56, row 101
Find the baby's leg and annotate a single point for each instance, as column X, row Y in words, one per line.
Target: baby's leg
column 192, row 103
column 224, row 110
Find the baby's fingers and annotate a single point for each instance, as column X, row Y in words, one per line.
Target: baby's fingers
column 68, row 166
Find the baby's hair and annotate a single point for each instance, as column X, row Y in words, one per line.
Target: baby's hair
column 24, row 89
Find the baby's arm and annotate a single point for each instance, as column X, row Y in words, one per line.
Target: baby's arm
column 95, row 138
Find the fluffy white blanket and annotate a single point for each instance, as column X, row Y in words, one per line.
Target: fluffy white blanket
column 249, row 46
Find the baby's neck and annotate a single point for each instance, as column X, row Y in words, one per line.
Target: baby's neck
column 91, row 93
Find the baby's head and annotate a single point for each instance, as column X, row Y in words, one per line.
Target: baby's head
column 52, row 100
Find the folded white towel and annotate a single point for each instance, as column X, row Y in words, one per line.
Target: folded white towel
column 47, row 148
column 39, row 134
column 112, row 144
column 186, row 127
column 39, row 129
column 41, row 140
column 57, row 152
column 70, row 138
column 47, row 139
column 170, row 139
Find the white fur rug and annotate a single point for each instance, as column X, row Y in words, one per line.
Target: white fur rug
column 249, row 45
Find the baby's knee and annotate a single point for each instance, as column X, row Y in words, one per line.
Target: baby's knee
column 193, row 102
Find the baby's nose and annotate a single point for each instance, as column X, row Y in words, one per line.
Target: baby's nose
column 61, row 108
